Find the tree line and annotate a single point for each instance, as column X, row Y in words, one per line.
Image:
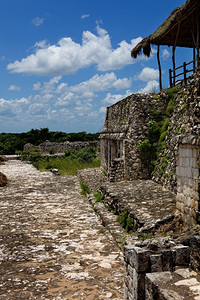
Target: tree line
column 12, row 142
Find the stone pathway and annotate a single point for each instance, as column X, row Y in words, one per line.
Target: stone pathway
column 52, row 245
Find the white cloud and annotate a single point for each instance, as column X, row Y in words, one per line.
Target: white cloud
column 165, row 54
column 42, row 44
column 151, row 86
column 148, row 74
column 102, row 83
column 85, row 16
column 37, row 86
column 113, row 98
column 119, row 57
column 37, row 21
column 14, row 88
column 67, row 57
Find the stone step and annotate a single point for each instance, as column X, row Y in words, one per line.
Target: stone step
column 181, row 284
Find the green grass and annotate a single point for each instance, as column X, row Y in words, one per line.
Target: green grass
column 65, row 166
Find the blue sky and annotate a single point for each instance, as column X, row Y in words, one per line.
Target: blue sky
column 63, row 62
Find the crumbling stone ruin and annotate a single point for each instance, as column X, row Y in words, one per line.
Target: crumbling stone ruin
column 53, row 147
column 156, row 137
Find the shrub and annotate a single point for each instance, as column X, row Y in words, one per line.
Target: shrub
column 170, row 108
column 87, row 154
column 145, row 145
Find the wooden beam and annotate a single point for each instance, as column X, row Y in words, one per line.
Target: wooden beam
column 194, row 59
column 159, row 67
column 198, row 42
column 174, row 64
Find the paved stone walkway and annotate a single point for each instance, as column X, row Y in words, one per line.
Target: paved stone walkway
column 52, row 245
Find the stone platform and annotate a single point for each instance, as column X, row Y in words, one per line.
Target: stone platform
column 52, row 244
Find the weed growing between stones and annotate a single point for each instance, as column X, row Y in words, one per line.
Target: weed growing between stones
column 145, row 235
column 126, row 221
column 84, row 189
column 99, row 196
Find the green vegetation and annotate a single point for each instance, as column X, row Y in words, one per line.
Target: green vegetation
column 87, row 154
column 84, row 189
column 99, row 196
column 85, row 158
column 126, row 221
column 145, row 235
column 158, row 127
column 12, row 142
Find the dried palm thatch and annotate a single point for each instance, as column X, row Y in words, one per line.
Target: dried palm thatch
column 180, row 29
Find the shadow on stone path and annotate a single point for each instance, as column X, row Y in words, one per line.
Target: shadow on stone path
column 52, row 245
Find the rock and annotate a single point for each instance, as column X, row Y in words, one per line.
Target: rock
column 3, row 180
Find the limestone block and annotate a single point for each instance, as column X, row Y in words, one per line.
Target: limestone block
column 195, row 185
column 194, row 152
column 126, row 293
column 128, row 283
column 152, row 282
column 195, row 253
column 188, row 201
column 130, row 270
column 195, row 172
column 187, row 162
column 167, row 260
column 178, row 205
column 195, row 196
column 181, row 255
column 156, row 263
column 140, row 259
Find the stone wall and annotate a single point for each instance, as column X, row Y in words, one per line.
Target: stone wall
column 126, row 124
column 184, row 121
column 175, row 114
column 188, row 179
column 150, row 265
column 53, row 147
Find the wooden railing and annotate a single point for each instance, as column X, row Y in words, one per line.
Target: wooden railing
column 173, row 74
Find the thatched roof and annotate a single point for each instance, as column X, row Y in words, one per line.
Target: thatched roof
column 179, row 29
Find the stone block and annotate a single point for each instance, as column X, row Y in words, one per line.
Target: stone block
column 187, row 162
column 152, row 282
column 128, row 283
column 195, row 253
column 195, row 196
column 195, row 184
column 167, row 260
column 181, row 255
column 140, row 259
column 194, row 153
column 130, row 270
column 156, row 263
column 178, row 205
column 178, row 171
column 128, row 252
column 188, row 201
column 195, row 173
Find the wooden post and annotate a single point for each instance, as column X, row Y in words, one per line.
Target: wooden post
column 198, row 45
column 174, row 65
column 194, row 59
column 159, row 67
column 170, row 78
column 184, row 71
